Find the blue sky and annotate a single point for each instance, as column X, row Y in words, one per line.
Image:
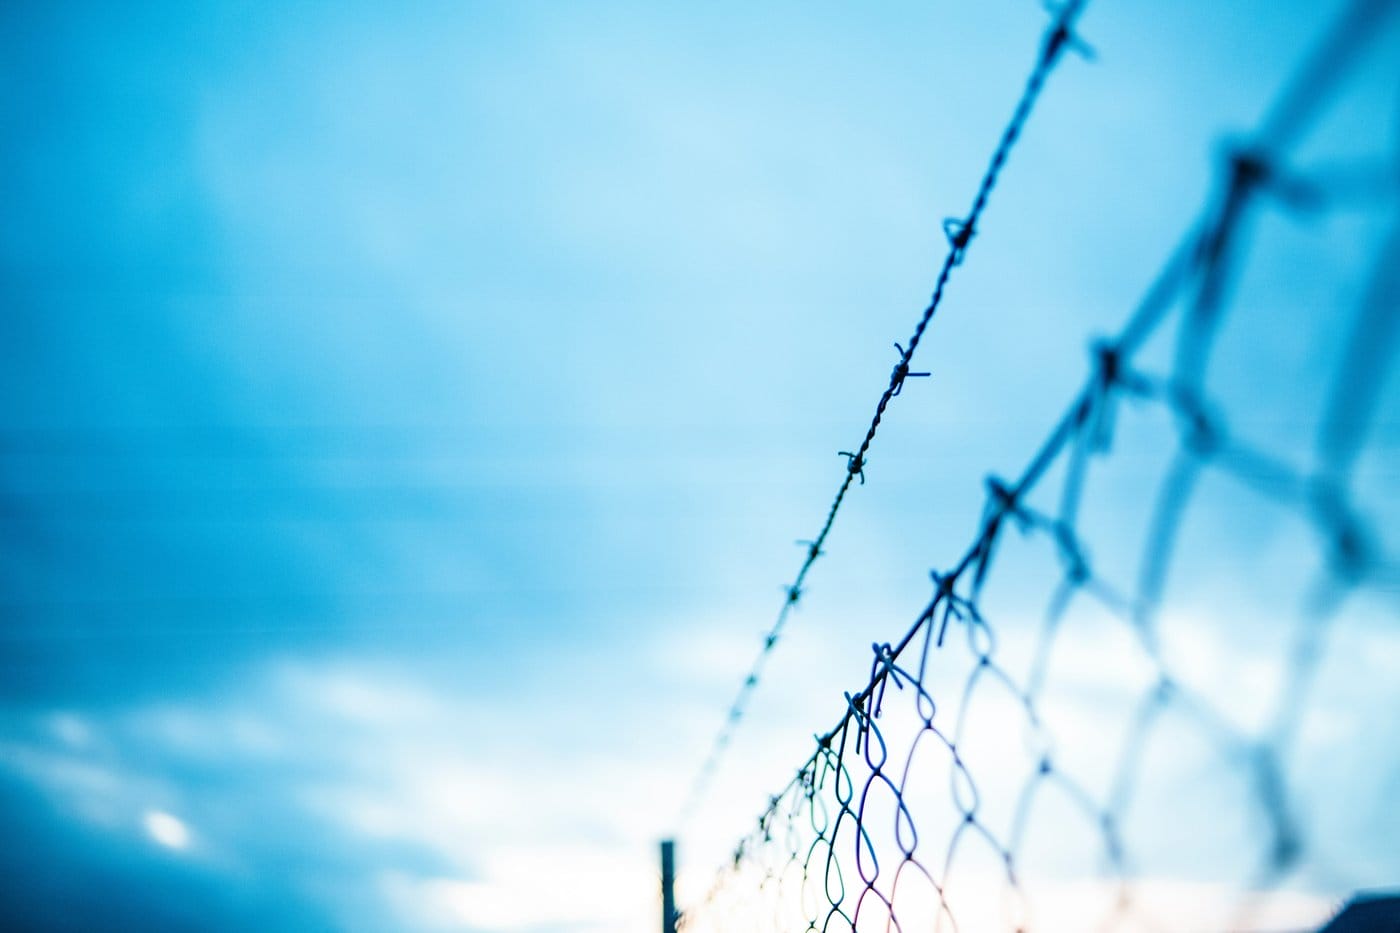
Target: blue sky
column 410, row 411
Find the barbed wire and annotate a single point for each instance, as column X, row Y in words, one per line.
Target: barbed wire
column 846, row 844
column 1059, row 38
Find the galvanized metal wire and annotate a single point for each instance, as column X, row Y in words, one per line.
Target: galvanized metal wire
column 1059, row 38
column 901, row 818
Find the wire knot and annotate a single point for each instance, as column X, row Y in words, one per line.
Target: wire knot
column 1249, row 168
column 943, row 585
column 1062, row 37
column 959, row 233
column 855, row 706
column 855, row 464
column 901, row 371
column 1108, row 360
column 1108, row 372
column 1004, row 502
column 945, row 598
column 883, row 670
column 1252, row 169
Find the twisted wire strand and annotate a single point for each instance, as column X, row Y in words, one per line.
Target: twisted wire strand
column 1058, row 39
column 813, row 855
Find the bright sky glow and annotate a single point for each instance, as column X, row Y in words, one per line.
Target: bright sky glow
column 167, row 830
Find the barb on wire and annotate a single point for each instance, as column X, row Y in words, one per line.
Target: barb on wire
column 1059, row 37
column 901, row 373
column 859, row 838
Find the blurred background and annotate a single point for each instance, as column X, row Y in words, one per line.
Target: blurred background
column 409, row 411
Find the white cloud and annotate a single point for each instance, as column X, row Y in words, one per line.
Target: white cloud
column 170, row 831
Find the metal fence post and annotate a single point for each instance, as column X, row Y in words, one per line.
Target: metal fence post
column 668, row 886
